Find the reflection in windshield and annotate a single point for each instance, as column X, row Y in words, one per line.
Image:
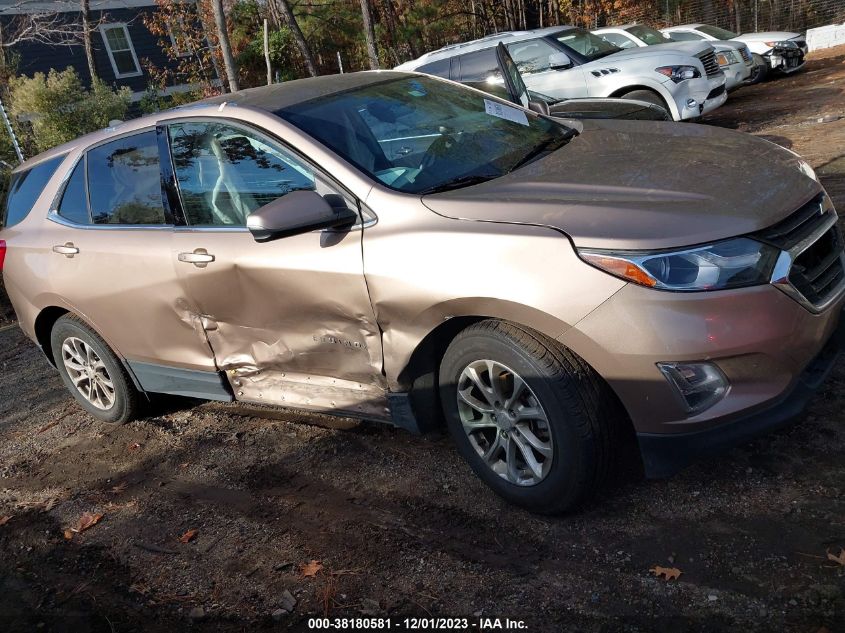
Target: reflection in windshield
column 586, row 44
column 422, row 134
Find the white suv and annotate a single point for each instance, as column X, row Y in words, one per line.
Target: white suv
column 734, row 57
column 772, row 50
column 567, row 62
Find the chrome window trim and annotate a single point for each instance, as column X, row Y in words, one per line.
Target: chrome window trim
column 783, row 265
column 53, row 216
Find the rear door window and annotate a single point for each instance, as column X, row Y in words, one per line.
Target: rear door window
column 74, row 204
column 479, row 66
column 24, row 190
column 439, row 68
column 124, row 181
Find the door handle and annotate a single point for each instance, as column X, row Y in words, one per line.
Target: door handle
column 68, row 249
column 199, row 258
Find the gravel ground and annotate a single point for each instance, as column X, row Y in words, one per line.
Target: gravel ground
column 398, row 523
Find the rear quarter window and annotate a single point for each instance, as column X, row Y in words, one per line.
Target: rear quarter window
column 25, row 188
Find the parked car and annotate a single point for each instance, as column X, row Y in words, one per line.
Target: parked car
column 554, row 288
column 734, row 58
column 506, row 82
column 566, row 62
column 771, row 50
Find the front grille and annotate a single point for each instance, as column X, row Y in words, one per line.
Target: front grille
column 817, row 270
column 716, row 92
column 797, row 227
column 711, row 66
column 746, row 55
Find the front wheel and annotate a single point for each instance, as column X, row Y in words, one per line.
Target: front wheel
column 761, row 69
column 92, row 372
column 649, row 97
column 533, row 420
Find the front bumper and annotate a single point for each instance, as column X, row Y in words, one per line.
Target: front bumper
column 707, row 93
column 664, row 455
column 761, row 339
column 786, row 60
column 736, row 74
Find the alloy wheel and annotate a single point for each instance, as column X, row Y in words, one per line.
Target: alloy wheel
column 505, row 422
column 88, row 373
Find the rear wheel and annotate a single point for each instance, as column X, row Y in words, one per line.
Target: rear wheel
column 92, row 372
column 761, row 69
column 533, row 420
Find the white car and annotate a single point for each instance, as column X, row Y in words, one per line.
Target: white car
column 568, row 62
column 772, row 50
column 734, row 57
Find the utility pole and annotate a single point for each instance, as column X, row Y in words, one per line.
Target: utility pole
column 11, row 132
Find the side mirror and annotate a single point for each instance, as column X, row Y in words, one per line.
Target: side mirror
column 295, row 213
column 559, row 60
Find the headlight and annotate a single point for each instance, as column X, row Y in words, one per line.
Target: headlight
column 679, row 73
column 781, row 44
column 731, row 263
column 725, row 58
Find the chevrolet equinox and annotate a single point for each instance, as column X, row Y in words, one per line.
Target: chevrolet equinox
column 402, row 248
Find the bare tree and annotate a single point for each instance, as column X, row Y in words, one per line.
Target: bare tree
column 370, row 33
column 304, row 49
column 225, row 48
column 29, row 21
column 86, row 38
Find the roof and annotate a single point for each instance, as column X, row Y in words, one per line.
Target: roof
column 269, row 98
column 278, row 96
column 489, row 41
column 617, row 27
column 18, row 7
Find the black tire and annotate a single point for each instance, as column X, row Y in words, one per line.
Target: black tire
column 649, row 97
column 761, row 69
column 582, row 413
column 126, row 397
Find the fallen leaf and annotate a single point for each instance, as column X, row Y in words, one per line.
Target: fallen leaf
column 839, row 560
column 668, row 573
column 86, row 521
column 5, row 520
column 310, row 568
column 188, row 536
column 134, row 446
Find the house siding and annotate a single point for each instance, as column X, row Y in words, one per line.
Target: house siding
column 38, row 57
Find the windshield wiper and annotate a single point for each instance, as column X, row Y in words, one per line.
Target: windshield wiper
column 457, row 183
column 546, row 147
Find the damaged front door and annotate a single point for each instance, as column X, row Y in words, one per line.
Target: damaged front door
column 290, row 321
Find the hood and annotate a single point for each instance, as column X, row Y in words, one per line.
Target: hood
column 692, row 49
column 657, row 50
column 769, row 36
column 729, row 44
column 643, row 185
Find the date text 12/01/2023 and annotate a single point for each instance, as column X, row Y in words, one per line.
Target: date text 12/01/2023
column 418, row 624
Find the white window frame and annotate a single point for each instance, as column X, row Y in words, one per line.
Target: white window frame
column 117, row 73
column 178, row 51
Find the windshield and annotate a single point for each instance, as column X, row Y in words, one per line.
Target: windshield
column 422, row 134
column 587, row 45
column 647, row 34
column 715, row 31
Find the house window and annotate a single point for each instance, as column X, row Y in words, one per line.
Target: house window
column 124, row 62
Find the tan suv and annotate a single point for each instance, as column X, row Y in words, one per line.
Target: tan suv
column 399, row 247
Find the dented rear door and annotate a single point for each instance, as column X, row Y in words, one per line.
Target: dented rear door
column 289, row 321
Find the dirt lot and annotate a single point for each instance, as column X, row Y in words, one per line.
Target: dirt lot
column 400, row 525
